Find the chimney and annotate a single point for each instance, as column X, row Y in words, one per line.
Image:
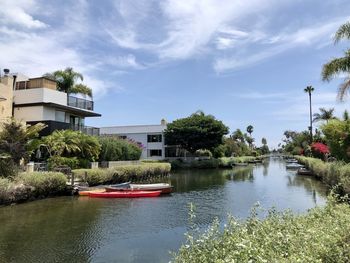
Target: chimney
column 6, row 71
column 163, row 122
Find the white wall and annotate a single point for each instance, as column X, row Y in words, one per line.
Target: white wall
column 34, row 113
column 39, row 95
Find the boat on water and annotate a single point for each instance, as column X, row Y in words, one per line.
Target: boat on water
column 87, row 191
column 291, row 161
column 163, row 187
column 294, row 166
column 304, row 171
column 125, row 194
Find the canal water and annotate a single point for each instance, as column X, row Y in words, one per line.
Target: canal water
column 83, row 229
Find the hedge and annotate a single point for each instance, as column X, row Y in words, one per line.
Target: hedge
column 122, row 173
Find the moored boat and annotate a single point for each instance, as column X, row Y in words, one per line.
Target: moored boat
column 304, row 171
column 87, row 191
column 163, row 187
column 294, row 166
column 125, row 194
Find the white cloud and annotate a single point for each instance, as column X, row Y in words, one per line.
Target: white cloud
column 18, row 13
column 319, row 35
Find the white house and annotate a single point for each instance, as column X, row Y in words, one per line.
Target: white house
column 150, row 136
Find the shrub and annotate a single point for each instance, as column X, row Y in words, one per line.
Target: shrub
column 8, row 169
column 115, row 149
column 204, row 153
column 322, row 235
column 56, row 161
column 319, row 150
column 44, row 183
column 122, row 173
column 330, row 173
column 225, row 162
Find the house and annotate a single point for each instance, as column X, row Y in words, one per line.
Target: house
column 151, row 137
column 34, row 100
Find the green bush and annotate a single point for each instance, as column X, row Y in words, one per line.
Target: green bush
column 8, row 169
column 332, row 173
column 122, row 173
column 322, row 235
column 115, row 149
column 226, row 162
column 44, row 183
column 56, row 161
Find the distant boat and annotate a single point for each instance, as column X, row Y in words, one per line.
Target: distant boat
column 291, row 161
column 304, row 171
column 293, row 166
column 125, row 194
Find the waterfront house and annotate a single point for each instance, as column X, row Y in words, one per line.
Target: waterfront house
column 34, row 100
column 151, row 137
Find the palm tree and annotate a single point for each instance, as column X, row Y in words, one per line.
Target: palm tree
column 309, row 90
column 339, row 65
column 324, row 115
column 250, row 129
column 66, row 81
column 264, row 141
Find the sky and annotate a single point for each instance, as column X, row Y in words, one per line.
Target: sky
column 245, row 62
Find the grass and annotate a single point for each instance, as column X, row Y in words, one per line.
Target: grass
column 322, row 235
column 333, row 173
column 28, row 186
column 123, row 173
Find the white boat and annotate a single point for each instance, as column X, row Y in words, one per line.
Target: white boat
column 164, row 187
column 294, row 166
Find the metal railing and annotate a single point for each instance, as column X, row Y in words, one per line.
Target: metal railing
column 86, row 129
column 80, row 103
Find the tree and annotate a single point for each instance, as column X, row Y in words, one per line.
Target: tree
column 67, row 81
column 238, row 135
column 18, row 141
column 337, row 137
column 72, row 148
column 346, row 115
column 198, row 131
column 337, row 66
column 324, row 115
column 309, row 90
column 249, row 140
column 264, row 149
column 250, row 129
column 264, row 141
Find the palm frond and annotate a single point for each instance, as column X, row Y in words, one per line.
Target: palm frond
column 342, row 33
column 343, row 88
column 335, row 67
column 82, row 89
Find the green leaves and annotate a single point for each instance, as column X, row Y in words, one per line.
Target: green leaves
column 198, row 131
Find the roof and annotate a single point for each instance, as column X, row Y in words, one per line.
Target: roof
column 74, row 110
column 132, row 129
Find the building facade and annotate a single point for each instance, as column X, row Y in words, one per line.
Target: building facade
column 38, row 100
column 151, row 137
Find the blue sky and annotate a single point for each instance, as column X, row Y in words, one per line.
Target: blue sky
column 245, row 62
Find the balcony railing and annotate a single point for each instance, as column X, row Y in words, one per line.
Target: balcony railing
column 80, row 103
column 57, row 125
column 86, row 129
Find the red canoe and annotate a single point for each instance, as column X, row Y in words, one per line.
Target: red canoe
column 125, row 194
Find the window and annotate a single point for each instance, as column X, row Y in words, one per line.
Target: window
column 60, row 116
column 152, row 153
column 154, row 138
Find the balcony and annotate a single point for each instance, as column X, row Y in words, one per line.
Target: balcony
column 80, row 103
column 57, row 125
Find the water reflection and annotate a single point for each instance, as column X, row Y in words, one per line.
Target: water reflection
column 144, row 230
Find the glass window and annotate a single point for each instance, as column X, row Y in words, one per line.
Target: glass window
column 154, row 138
column 60, row 116
column 155, row 153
